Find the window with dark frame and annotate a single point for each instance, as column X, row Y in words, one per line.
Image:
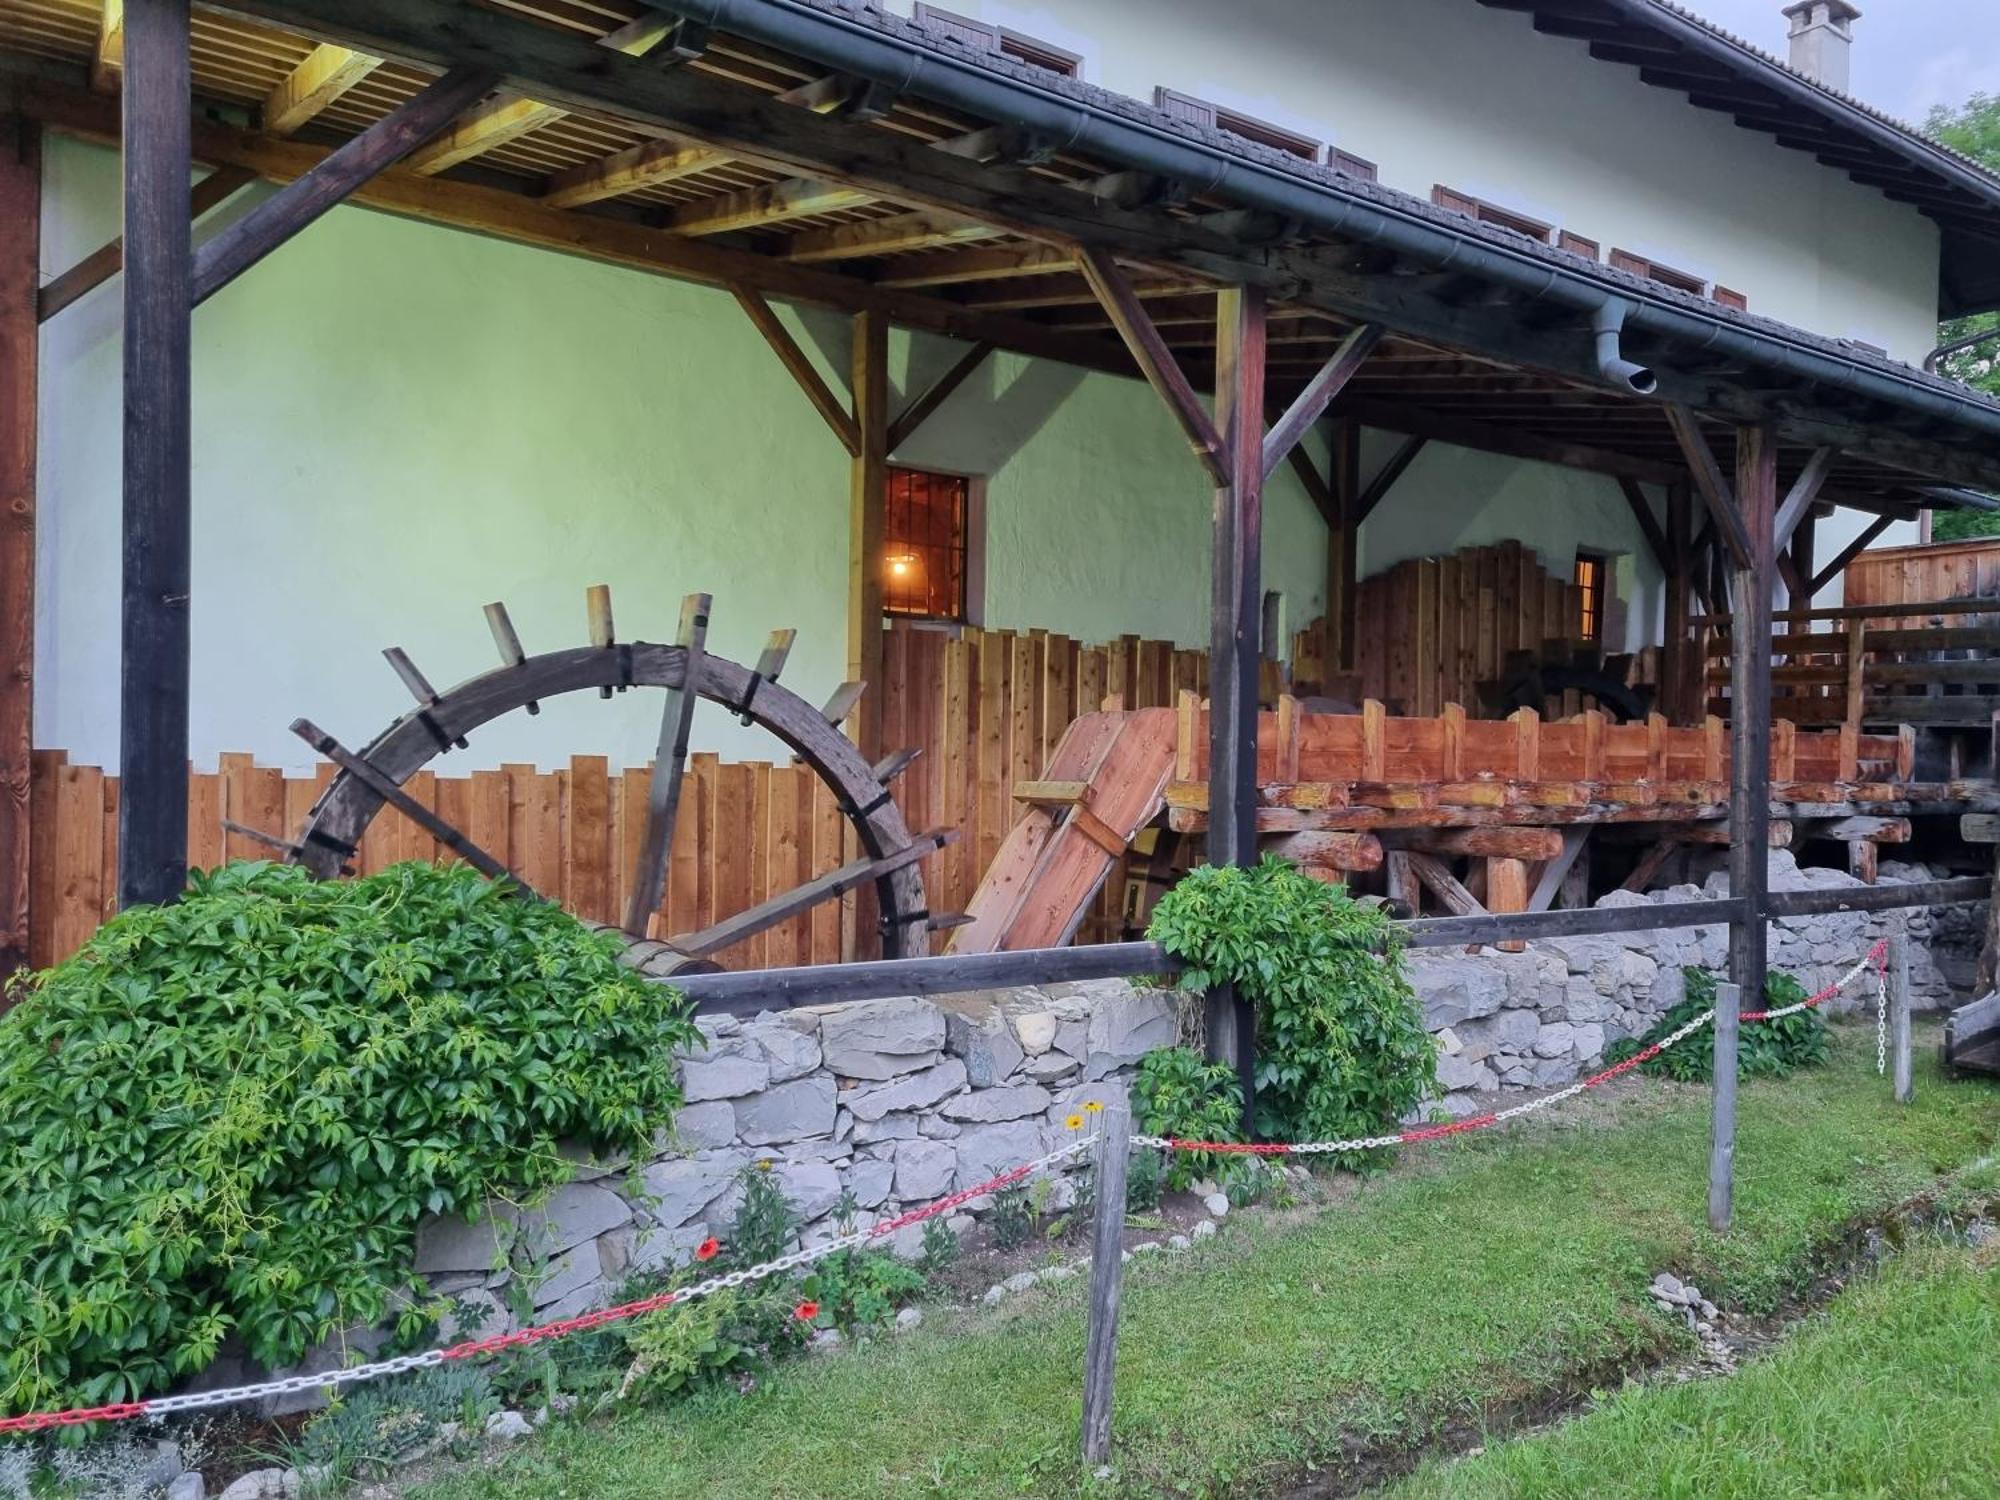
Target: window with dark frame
column 1592, row 570
column 981, row 36
column 926, row 542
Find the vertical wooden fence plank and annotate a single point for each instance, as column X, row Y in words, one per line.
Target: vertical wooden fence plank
column 79, row 856
column 1722, row 1124
column 1107, row 1256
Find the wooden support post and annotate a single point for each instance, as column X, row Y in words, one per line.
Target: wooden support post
column 663, row 791
column 1107, row 1275
column 1802, row 564
column 1899, row 1011
column 20, row 263
column 1750, row 716
column 1681, row 665
column 1722, row 1122
column 867, row 502
column 159, row 266
column 1343, row 590
column 1235, row 634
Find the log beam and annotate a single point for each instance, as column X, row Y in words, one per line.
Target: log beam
column 940, row 391
column 326, row 73
column 107, row 58
column 20, row 264
column 1163, row 372
column 1710, row 483
column 1312, row 402
column 159, row 304
column 868, row 497
column 802, row 370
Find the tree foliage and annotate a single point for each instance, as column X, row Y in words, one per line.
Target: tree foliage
column 1974, row 130
column 227, row 1115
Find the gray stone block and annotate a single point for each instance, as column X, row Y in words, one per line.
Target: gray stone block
column 1125, row 1025
column 727, row 1070
column 680, row 1189
column 784, row 1112
column 1051, row 1067
column 917, row 1092
column 577, row 1267
column 1036, row 1031
column 985, row 1151
column 707, row 1126
column 788, row 1052
column 924, row 1170
column 987, row 1048
column 811, row 1187
column 986, row 1105
column 888, row 1128
column 1456, row 989
column 881, row 1039
column 573, row 1213
column 455, row 1245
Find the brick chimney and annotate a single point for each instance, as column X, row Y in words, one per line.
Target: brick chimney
column 1822, row 35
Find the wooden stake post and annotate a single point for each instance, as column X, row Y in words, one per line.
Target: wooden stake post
column 1107, row 1274
column 1899, row 1016
column 1722, row 1131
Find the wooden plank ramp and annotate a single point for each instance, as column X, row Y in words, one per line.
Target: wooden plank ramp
column 1060, row 851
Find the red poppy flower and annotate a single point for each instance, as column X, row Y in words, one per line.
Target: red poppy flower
column 708, row 1249
column 805, row 1312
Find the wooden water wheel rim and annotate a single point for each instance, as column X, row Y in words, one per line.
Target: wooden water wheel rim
column 335, row 825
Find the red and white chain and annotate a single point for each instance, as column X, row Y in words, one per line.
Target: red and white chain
column 162, row 1406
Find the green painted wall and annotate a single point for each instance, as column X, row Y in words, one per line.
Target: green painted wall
column 396, row 423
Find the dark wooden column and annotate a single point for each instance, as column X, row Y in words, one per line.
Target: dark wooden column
column 1680, row 697
column 1802, row 547
column 1236, row 619
column 867, row 500
column 1236, row 599
column 1343, row 546
column 153, row 701
column 1749, row 787
column 20, row 264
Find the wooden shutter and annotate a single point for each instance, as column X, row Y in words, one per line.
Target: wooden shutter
column 974, row 36
column 1576, row 244
column 1352, row 165
column 1185, row 107
column 1454, row 200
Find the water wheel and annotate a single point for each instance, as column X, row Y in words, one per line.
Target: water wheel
column 371, row 778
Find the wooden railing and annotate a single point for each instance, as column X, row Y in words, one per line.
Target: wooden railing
column 1933, row 664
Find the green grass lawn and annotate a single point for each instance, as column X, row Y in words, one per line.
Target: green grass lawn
column 1479, row 1274
column 1892, row 1393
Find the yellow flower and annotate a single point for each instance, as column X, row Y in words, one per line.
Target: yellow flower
column 1075, row 1122
column 764, row 1165
column 1093, row 1107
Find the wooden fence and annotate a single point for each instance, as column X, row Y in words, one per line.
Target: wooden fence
column 1922, row 575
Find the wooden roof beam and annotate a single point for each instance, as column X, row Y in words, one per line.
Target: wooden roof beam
column 1393, row 469
column 1312, row 402
column 326, row 73
column 1805, row 490
column 107, row 58
column 1716, row 491
column 1000, row 263
column 925, row 230
column 904, row 427
column 1649, row 525
column 1155, row 360
column 801, row 368
column 1509, row 440
column 763, row 206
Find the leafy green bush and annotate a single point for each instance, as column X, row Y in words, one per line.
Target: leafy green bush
column 1764, row 1049
column 228, row 1114
column 1341, row 1045
column 680, row 1347
column 1182, row 1096
column 861, row 1288
column 371, row 1428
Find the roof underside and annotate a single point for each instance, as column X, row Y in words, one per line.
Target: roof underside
column 825, row 202
column 1674, row 49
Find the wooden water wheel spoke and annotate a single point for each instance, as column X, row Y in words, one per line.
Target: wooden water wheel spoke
column 663, row 797
column 888, row 857
column 392, row 793
column 828, row 887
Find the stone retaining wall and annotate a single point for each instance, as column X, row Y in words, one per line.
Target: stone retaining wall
column 899, row 1102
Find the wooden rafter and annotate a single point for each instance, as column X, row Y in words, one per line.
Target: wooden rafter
column 1848, row 553
column 801, row 368
column 1715, row 490
column 511, row 216
column 1804, row 493
column 501, row 119
column 1504, row 438
column 107, row 58
column 104, row 262
column 1155, row 360
column 1000, row 263
column 1385, row 477
column 1649, row 525
column 763, row 206
column 892, row 236
column 233, row 251
column 326, row 73
column 919, row 411
column 1312, row 402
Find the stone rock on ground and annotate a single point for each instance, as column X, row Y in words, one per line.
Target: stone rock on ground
column 190, row 1486
column 264, row 1484
column 879, row 1039
column 507, row 1426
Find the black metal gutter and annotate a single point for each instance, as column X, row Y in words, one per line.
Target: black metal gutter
column 895, row 55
